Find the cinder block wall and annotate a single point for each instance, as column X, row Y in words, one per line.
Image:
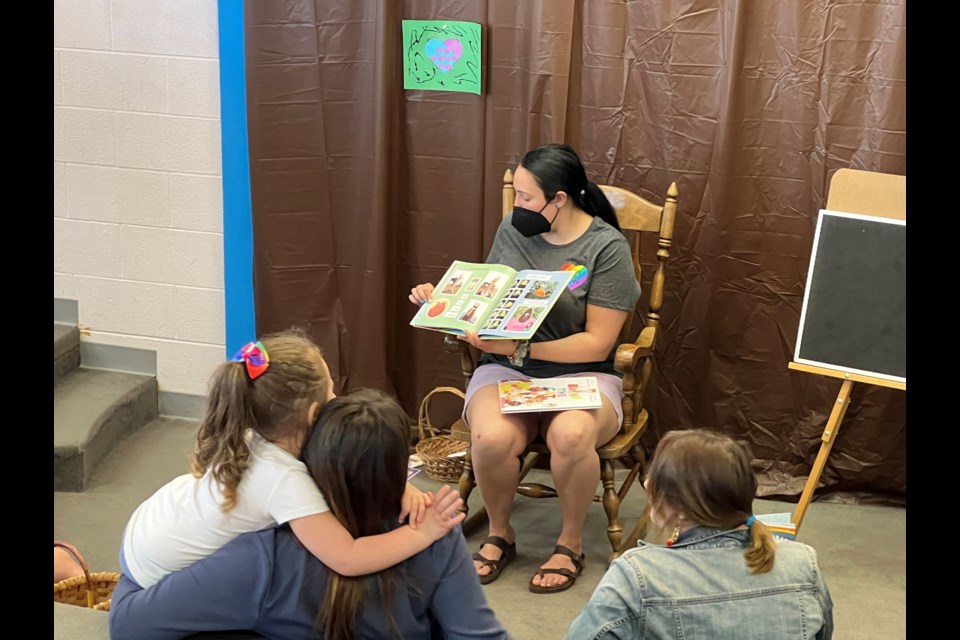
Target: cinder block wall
column 137, row 205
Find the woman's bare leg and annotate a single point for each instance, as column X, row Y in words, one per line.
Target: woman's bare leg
column 497, row 441
column 573, row 438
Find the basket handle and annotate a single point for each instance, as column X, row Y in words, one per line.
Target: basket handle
column 423, row 417
column 72, row 550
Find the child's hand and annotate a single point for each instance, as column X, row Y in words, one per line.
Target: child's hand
column 444, row 513
column 414, row 503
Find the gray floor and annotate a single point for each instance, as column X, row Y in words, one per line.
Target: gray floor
column 862, row 549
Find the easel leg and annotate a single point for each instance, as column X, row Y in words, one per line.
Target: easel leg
column 829, row 433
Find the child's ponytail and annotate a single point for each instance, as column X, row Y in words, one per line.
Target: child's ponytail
column 221, row 444
column 270, row 393
column 761, row 550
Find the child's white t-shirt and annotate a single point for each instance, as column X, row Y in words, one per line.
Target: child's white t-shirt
column 183, row 521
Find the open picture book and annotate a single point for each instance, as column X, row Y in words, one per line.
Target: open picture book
column 549, row 394
column 492, row 299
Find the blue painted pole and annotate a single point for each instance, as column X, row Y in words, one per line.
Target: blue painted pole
column 240, row 320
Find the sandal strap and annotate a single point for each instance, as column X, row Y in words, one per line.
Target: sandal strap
column 563, row 571
column 498, row 542
column 577, row 558
column 487, row 562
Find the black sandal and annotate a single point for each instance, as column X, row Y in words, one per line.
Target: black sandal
column 571, row 576
column 508, row 553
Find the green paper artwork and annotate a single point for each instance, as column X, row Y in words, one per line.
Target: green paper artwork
column 441, row 55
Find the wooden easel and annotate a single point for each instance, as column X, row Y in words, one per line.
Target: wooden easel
column 868, row 193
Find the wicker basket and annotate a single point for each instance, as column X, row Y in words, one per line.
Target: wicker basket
column 91, row 590
column 436, row 447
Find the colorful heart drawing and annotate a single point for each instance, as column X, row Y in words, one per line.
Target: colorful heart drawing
column 444, row 54
column 580, row 273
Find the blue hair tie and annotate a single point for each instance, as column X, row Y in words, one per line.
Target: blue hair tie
column 750, row 520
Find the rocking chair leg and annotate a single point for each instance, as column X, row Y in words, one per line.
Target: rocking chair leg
column 611, row 504
column 639, row 532
column 532, row 489
column 467, row 480
column 640, row 459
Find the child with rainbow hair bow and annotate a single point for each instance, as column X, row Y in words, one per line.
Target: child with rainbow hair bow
column 247, row 475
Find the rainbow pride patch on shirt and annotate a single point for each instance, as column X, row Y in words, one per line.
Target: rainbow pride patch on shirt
column 579, row 274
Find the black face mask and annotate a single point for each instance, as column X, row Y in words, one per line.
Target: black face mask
column 530, row 223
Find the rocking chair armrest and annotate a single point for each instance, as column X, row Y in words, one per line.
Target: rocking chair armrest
column 629, row 354
column 468, row 361
column 452, row 345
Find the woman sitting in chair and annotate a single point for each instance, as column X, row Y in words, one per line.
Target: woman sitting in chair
column 560, row 221
column 720, row 575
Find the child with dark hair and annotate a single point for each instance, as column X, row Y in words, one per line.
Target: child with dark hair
column 268, row 583
column 247, row 474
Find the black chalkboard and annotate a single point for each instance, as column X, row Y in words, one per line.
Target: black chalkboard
column 854, row 315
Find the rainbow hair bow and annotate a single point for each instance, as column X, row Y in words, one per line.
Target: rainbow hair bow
column 255, row 357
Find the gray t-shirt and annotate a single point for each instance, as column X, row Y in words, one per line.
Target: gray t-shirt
column 603, row 277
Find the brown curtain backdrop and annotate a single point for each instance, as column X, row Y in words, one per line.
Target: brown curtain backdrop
column 361, row 189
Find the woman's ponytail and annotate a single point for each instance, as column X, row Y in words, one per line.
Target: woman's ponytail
column 556, row 168
column 594, row 202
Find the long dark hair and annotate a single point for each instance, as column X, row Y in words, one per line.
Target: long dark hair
column 707, row 477
column 358, row 454
column 275, row 405
column 557, row 167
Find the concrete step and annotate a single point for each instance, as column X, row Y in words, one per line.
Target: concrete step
column 92, row 411
column 66, row 350
column 139, row 465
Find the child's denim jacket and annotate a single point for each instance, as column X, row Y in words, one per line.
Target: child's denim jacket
column 701, row 587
